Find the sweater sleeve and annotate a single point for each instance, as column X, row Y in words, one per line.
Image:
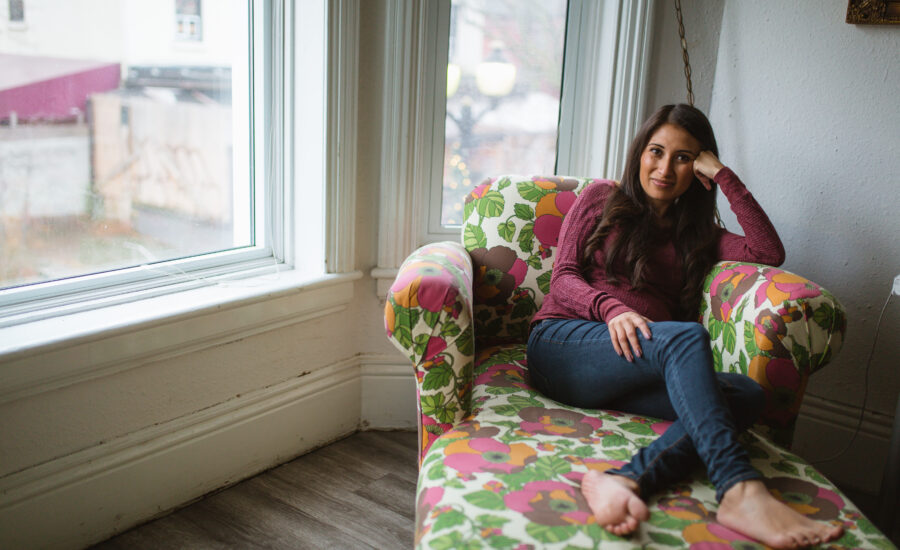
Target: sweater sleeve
column 760, row 243
column 568, row 286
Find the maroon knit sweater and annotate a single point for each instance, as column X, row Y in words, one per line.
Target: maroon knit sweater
column 575, row 294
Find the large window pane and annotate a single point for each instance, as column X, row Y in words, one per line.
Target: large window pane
column 503, row 89
column 124, row 136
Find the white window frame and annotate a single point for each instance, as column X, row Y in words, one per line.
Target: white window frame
column 311, row 127
column 602, row 105
column 320, row 154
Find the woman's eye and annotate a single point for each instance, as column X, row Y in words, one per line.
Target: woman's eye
column 656, row 151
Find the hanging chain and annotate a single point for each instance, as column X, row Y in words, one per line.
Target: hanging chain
column 684, row 54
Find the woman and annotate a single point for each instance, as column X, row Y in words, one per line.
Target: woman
column 617, row 329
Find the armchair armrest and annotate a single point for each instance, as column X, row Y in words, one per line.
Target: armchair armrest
column 428, row 316
column 777, row 328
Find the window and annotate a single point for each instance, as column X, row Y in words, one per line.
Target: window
column 17, row 11
column 606, row 55
column 129, row 164
column 188, row 20
column 504, row 79
column 505, row 104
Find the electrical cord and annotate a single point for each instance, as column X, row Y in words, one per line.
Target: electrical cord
column 862, row 409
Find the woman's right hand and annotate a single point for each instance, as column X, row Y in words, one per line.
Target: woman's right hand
column 623, row 332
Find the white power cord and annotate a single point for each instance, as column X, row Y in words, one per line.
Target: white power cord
column 862, row 410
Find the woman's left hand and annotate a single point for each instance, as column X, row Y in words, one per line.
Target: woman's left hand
column 706, row 166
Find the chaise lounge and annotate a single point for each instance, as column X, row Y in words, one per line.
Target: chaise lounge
column 501, row 465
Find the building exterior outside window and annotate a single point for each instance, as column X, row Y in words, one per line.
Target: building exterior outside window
column 188, row 20
column 17, row 11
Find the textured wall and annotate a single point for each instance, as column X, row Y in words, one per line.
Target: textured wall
column 805, row 109
column 702, row 20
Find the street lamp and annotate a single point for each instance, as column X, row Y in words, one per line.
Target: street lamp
column 494, row 79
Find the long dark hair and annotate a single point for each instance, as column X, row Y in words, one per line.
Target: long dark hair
column 692, row 215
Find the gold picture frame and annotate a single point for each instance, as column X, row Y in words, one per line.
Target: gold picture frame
column 873, row 12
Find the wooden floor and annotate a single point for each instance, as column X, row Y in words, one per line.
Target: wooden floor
column 356, row 493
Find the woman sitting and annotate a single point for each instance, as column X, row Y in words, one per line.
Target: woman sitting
column 618, row 329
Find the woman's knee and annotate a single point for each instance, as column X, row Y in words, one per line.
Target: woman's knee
column 745, row 397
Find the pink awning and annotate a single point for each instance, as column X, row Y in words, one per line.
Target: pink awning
column 51, row 88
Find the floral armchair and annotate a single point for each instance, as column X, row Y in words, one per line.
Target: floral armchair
column 501, row 465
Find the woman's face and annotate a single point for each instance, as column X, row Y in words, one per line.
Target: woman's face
column 667, row 165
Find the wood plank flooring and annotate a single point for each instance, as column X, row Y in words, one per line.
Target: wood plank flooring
column 358, row 492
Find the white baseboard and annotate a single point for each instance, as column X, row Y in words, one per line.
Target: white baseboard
column 825, row 428
column 388, row 393
column 84, row 498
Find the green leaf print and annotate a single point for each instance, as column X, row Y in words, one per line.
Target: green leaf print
column 449, row 328
column 618, row 454
column 468, row 208
column 534, row 261
column 506, row 410
column 436, row 471
column 530, row 191
column 666, row 539
column 437, row 377
column 490, row 520
column 743, row 362
column 485, row 499
column 637, row 428
column 613, row 440
column 455, row 541
column 549, row 467
column 524, row 212
column 464, row 342
column 523, row 308
column 786, row 467
column 526, row 237
column 824, row 316
column 523, row 402
column 801, row 357
column 434, row 405
column 491, row 204
column 420, row 343
column 729, row 336
column 449, row 518
column 503, row 184
column 508, row 356
column 507, row 230
column 849, row 540
column 431, row 317
column 550, row 533
column 473, row 237
column 867, row 527
column 660, row 519
column 543, row 281
column 715, row 328
column 585, row 451
column 502, row 541
column 812, row 474
column 750, row 340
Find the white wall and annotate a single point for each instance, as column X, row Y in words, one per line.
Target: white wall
column 805, row 109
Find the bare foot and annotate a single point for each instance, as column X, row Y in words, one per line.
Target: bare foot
column 749, row 508
column 613, row 500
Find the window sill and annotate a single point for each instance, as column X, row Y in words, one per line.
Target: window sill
column 51, row 353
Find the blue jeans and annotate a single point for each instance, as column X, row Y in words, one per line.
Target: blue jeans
column 573, row 361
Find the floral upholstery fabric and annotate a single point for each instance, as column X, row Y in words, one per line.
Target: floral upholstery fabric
column 509, row 477
column 501, row 464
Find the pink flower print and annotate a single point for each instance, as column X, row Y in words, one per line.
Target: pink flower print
column 806, row 498
column 498, row 272
column 434, row 347
column 550, row 503
column 426, row 502
column 483, row 454
column 728, row 287
column 784, row 286
column 558, row 422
